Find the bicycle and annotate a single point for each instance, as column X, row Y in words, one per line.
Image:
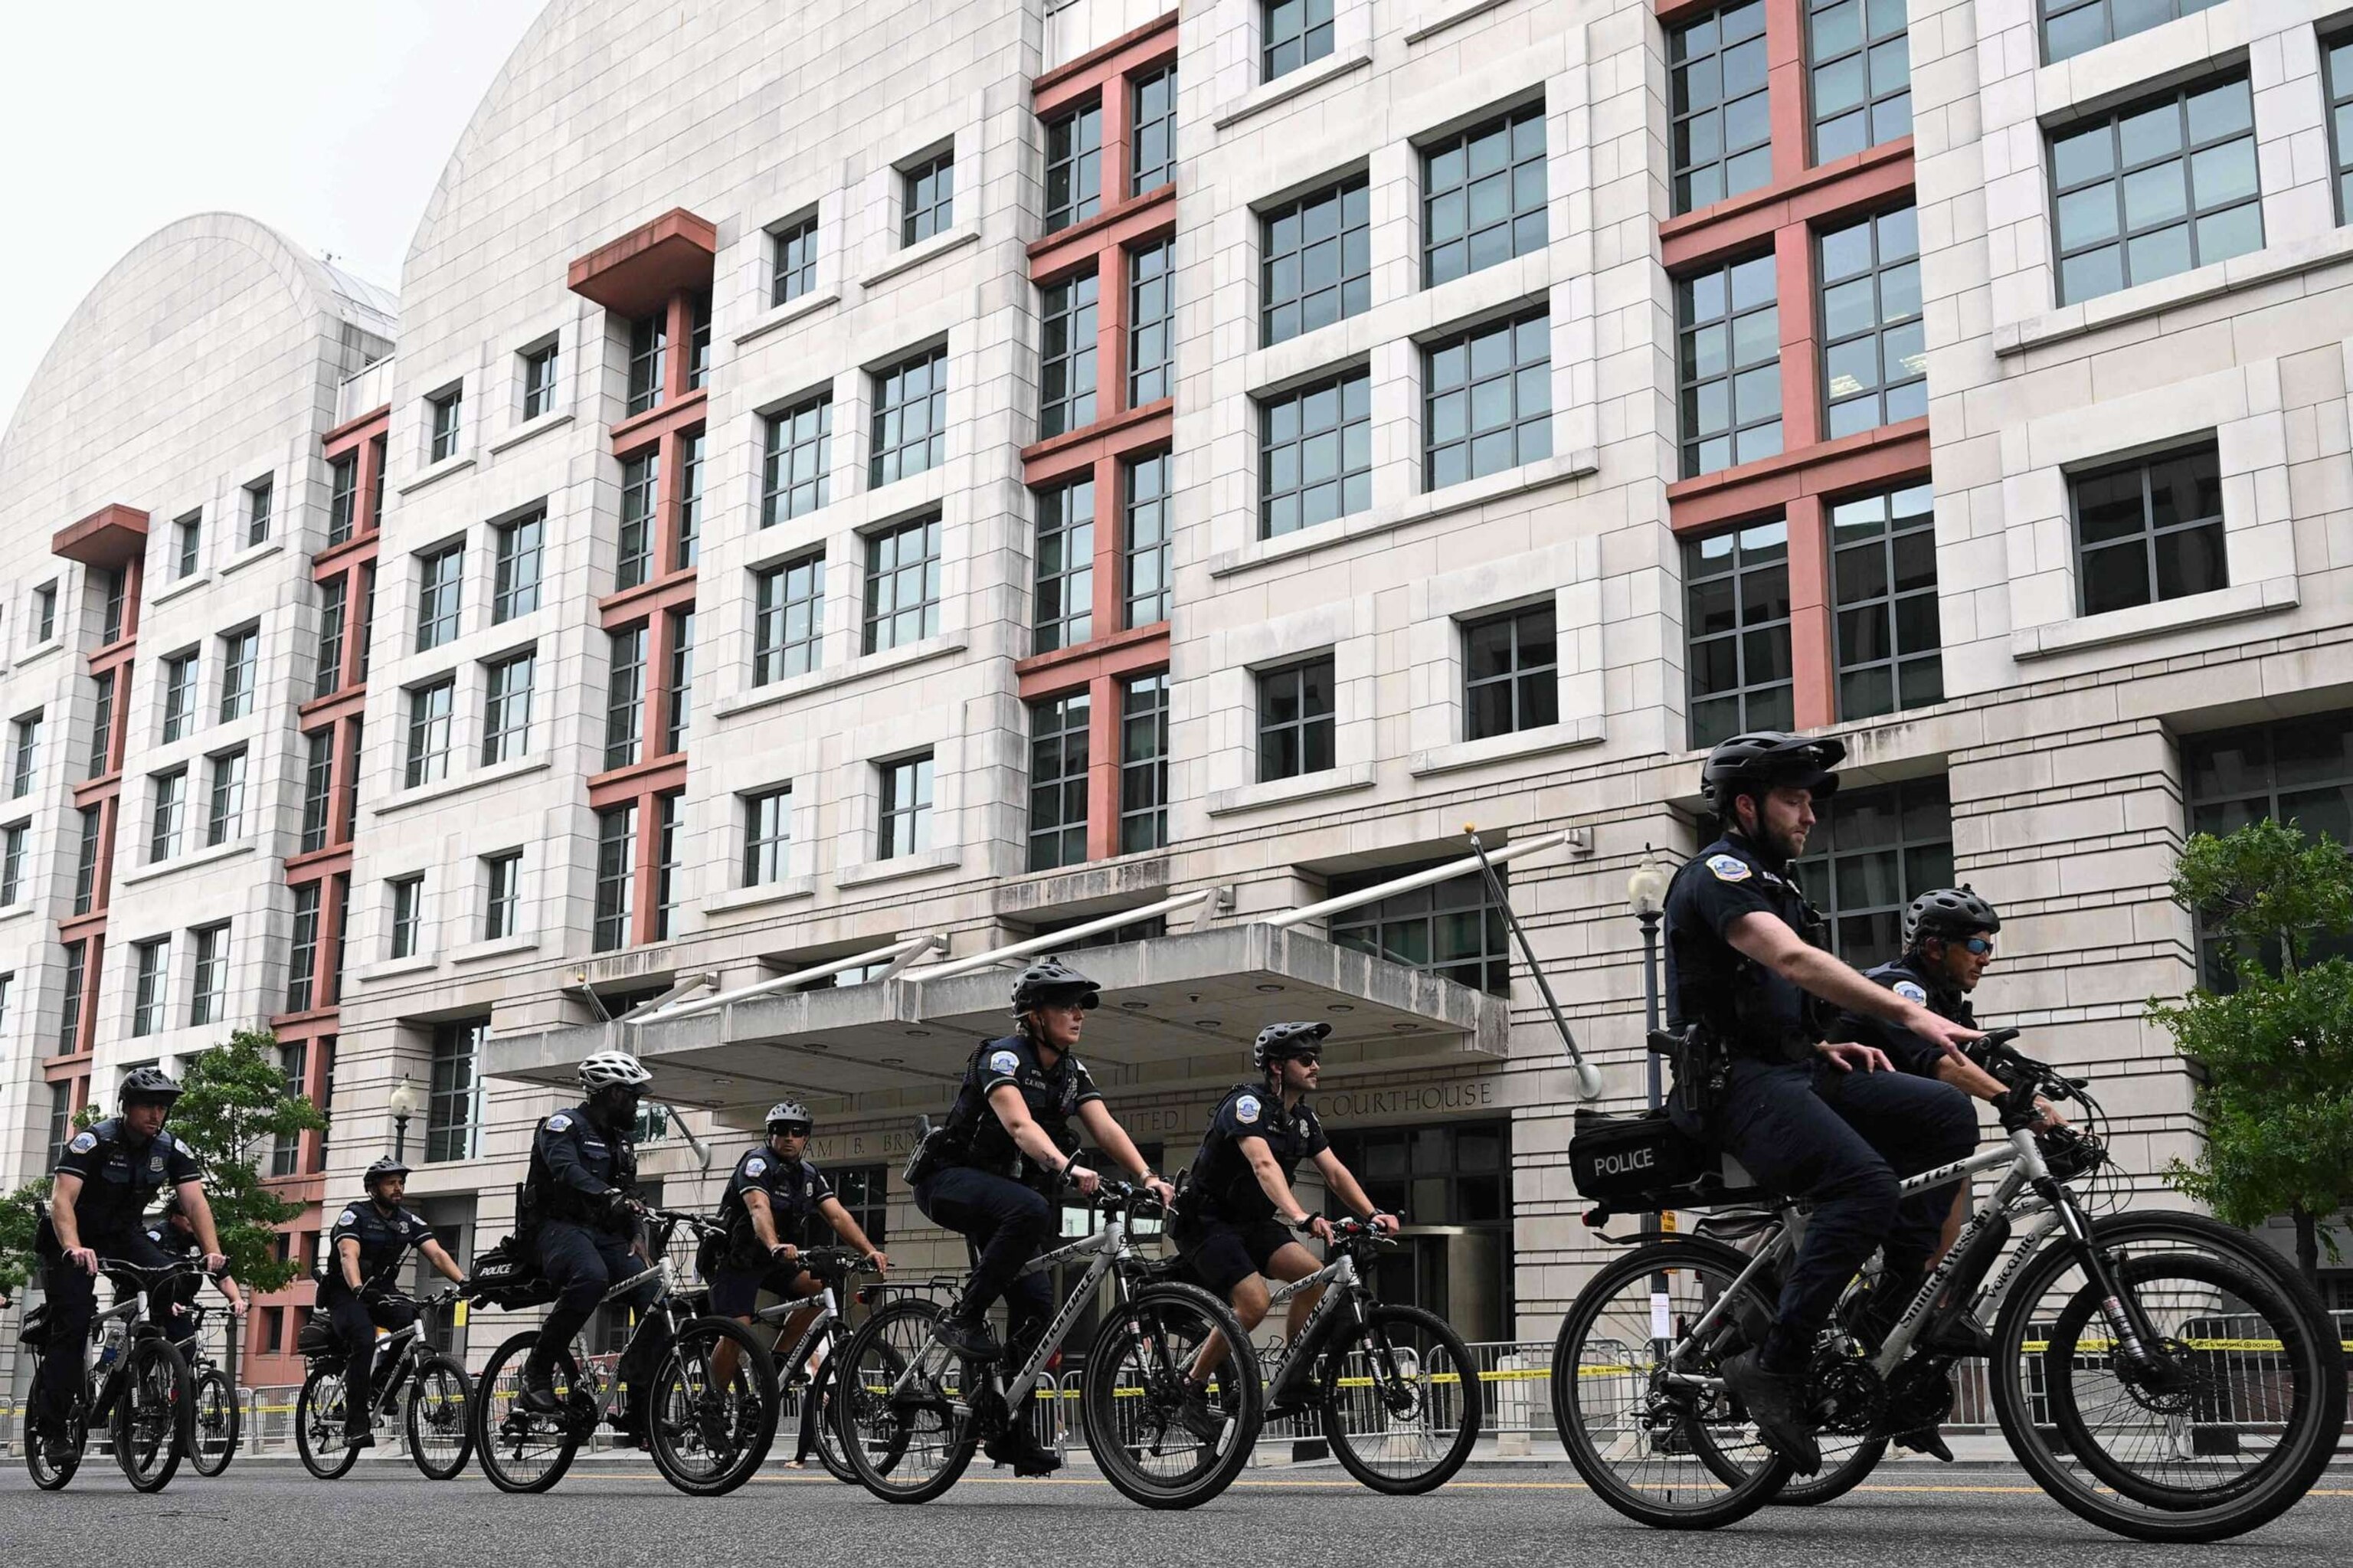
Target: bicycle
column 136, row 1380
column 707, row 1435
column 2159, row 1374
column 441, row 1438
column 912, row 1412
column 1395, row 1386
column 215, row 1421
column 831, row 1267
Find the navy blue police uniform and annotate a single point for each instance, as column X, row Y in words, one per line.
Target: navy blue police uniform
column 794, row 1188
column 1226, row 1228
column 385, row 1241
column 1912, row 977
column 1796, row 1122
column 581, row 1243
column 168, row 1303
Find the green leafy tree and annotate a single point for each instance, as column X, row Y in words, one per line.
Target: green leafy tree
column 2277, row 1047
column 233, row 1107
column 20, row 1216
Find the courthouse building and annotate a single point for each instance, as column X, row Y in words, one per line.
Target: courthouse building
column 851, row 494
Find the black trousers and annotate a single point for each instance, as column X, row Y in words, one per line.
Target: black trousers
column 72, row 1297
column 1008, row 1224
column 584, row 1264
column 356, row 1318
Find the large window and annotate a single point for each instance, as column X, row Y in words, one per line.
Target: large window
column 863, row 1190
column 796, row 260
column 1152, row 130
column 116, row 586
column 1872, row 852
column 240, row 667
column 224, row 811
column 906, row 815
column 2071, row 26
column 1874, row 347
column 1454, row 930
column 2156, row 188
column 1316, row 261
column 501, row 894
column 902, row 585
column 1074, row 168
column 1062, row 610
column 69, row 1013
column 1296, row 719
column 1861, row 62
column 1066, row 371
column 767, row 834
column 911, row 417
column 792, row 475
column 293, row 1065
column 686, row 548
column 1487, row 401
column 1510, row 672
column 171, row 800
column 407, row 893
column 318, row 789
column 429, row 710
column 1453, row 1177
column 506, row 712
column 514, row 582
column 668, row 883
column 1145, row 548
column 208, row 1000
column 1143, row 763
column 1483, row 196
column 101, row 726
column 333, row 599
column 927, row 194
column 1737, row 632
column 617, row 875
column 649, row 351
column 1058, row 781
column 1729, row 365
column 2149, row 530
column 788, row 619
column 342, row 498
column 1292, row 33
column 1315, row 454
column 302, row 951
column 151, row 993
column 1721, row 131
column 86, row 861
column 625, row 696
column 2296, row 770
column 440, row 578
column 1151, row 318
column 453, row 1115
column 640, row 501
column 179, row 696
column 1883, row 580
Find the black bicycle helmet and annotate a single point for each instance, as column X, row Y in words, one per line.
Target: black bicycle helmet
column 1281, row 1042
column 1769, row 759
column 383, row 1168
column 1947, row 912
column 1049, row 980
column 143, row 1084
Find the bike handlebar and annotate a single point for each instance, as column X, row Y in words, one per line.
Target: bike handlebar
column 153, row 1270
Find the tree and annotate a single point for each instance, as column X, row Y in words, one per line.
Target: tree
column 20, row 1216
column 2277, row 1047
column 233, row 1106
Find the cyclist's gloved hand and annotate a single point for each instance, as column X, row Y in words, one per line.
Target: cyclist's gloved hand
column 619, row 1206
column 1314, row 1226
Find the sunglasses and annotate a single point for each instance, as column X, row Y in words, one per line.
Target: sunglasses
column 1308, row 1058
column 792, row 1129
column 1981, row 946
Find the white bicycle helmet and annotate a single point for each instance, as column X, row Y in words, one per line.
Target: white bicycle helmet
column 609, row 1069
column 789, row 1113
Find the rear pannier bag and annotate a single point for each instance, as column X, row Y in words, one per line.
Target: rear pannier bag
column 1613, row 1158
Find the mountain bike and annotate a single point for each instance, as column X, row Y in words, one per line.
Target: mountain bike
column 1395, row 1386
column 215, row 1421
column 708, row 1435
column 439, row 1437
column 136, row 1382
column 2159, row 1374
column 828, row 1332
column 912, row 1412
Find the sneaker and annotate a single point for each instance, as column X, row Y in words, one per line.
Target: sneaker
column 1926, row 1440
column 1777, row 1403
column 359, row 1437
column 1021, row 1449
column 968, row 1338
column 535, row 1392
column 710, row 1423
column 629, row 1425
column 1198, row 1416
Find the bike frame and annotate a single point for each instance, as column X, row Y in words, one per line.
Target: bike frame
column 828, row 1312
column 1346, row 1286
column 1107, row 1253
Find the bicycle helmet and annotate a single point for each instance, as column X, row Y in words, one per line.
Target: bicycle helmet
column 613, row 1070
column 1769, row 759
column 1947, row 912
column 379, row 1171
column 789, row 1113
column 145, row 1084
column 1281, row 1042
column 1049, row 980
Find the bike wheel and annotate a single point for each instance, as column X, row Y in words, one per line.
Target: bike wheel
column 51, row 1472
column 711, row 1434
column 1401, row 1401
column 440, row 1418
column 1131, row 1391
column 525, row 1451
column 1847, row 1463
column 903, row 1404
column 319, row 1423
column 151, row 1425
column 1643, row 1415
column 2234, row 1422
column 216, row 1424
column 823, row 1389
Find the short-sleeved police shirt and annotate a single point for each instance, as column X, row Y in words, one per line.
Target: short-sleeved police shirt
column 1906, row 1050
column 1052, row 1095
column 121, row 1177
column 1756, row 1010
column 1228, row 1188
column 793, row 1187
column 384, row 1240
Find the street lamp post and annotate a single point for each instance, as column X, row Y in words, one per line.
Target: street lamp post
column 404, row 1105
column 1646, row 894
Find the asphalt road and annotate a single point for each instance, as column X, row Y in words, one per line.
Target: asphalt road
column 1490, row 1515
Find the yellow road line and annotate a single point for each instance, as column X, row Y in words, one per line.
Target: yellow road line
column 818, row 1479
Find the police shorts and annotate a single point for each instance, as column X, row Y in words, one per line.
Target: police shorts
column 735, row 1292
column 1222, row 1254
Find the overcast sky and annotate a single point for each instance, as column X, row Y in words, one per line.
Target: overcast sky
column 327, row 120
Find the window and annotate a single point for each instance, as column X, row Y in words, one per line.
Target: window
column 1483, row 196
column 1737, row 632
column 407, row 914
column 1511, row 670
column 1487, row 401
column 515, row 566
column 1151, row 315
column 861, row 1190
column 768, row 835
column 170, row 797
column 928, row 191
column 240, row 664
column 70, row 1014
column 640, row 500
column 286, row 1149
column 12, row 861
column 1143, row 763
column 187, row 545
column 538, row 381
column 1722, row 131
column 2336, row 56
column 617, row 855
column 443, row 411
column 902, row 585
column 430, row 709
column 1058, row 781
column 796, row 260
column 333, row 596
column 318, row 790
column 625, row 696
column 697, row 340
column 1315, row 454
column 2149, row 530
column 649, row 348
column 906, row 807
column 453, row 1113
column 1152, row 130
column 1063, row 612
column 302, row 951
column 45, row 612
column 2295, row 770
column 506, row 712
column 788, row 619
column 225, row 809
column 1292, row 33
column 209, row 1002
column 151, row 995
column 1296, row 719
column 1145, row 555
column 792, row 477
column 1066, row 371
column 342, row 498
column 101, row 728
column 681, row 681
column 1871, row 852
column 1454, row 930
column 1884, row 582
column 23, row 751
column 367, row 627
column 910, row 416
column 1317, row 260
column 377, row 448
column 116, row 590
column 1074, row 168
column 667, row 882
column 1861, row 70
column 501, row 894
column 86, row 861
column 686, row 548
column 259, row 496
column 440, row 577
column 2071, row 26
column 2156, row 188
column 1728, row 364
column 1874, row 348
column 179, row 696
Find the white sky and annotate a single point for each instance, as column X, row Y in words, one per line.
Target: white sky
column 328, row 120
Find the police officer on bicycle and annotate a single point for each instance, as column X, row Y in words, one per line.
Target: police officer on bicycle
column 1826, row 1121
column 104, row 1181
column 358, row 1289
column 175, row 1235
column 1007, row 1142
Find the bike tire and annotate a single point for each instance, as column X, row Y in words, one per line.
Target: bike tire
column 440, row 1410
column 1370, row 1346
column 674, row 1411
column 47, row 1477
column 215, row 1421
column 827, row 1430
column 877, row 1433
column 1130, row 1386
column 150, row 1423
column 2142, row 1509
column 319, row 1423
column 554, row 1439
column 1832, row 1481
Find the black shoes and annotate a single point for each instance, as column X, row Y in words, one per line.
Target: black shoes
column 535, row 1392
column 1020, row 1447
column 359, row 1437
column 1926, row 1440
column 968, row 1337
column 1198, row 1416
column 1777, row 1403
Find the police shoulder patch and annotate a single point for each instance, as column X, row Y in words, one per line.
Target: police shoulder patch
column 349, row 1217
column 1912, row 991
column 1246, row 1108
column 1729, row 867
column 560, row 1122
column 754, row 1166
column 1005, row 1062
column 83, row 1142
